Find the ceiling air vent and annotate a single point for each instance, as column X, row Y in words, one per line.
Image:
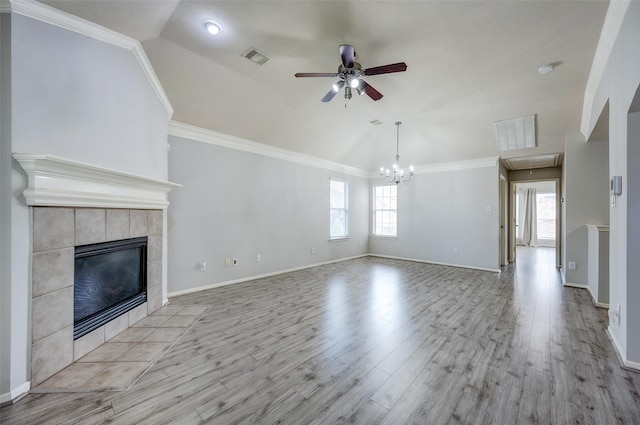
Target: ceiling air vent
column 375, row 122
column 256, row 56
column 516, row 133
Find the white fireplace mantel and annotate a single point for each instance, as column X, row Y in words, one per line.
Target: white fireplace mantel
column 55, row 181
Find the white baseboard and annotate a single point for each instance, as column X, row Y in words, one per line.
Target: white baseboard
column 575, row 285
column 626, row 364
column 462, row 266
column 15, row 393
column 248, row 278
column 596, row 303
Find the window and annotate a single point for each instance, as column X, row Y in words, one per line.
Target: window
column 338, row 209
column 385, row 210
column 546, row 215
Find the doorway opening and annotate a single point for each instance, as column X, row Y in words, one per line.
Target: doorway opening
column 535, row 215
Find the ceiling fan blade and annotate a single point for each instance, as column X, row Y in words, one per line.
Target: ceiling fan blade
column 327, row 97
column 370, row 91
column 316, row 74
column 348, row 55
column 386, row 69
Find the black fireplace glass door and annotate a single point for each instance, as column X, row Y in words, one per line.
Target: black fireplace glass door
column 105, row 279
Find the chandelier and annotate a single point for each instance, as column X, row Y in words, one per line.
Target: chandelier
column 396, row 174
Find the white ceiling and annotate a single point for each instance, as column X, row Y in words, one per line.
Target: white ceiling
column 470, row 63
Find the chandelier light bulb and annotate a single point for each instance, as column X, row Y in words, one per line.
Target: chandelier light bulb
column 354, row 83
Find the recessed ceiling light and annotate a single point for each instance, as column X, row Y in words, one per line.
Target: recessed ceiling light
column 212, row 27
column 545, row 69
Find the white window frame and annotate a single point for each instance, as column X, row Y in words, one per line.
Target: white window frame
column 345, row 210
column 375, row 211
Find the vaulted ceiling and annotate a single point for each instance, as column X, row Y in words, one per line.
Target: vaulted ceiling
column 470, row 64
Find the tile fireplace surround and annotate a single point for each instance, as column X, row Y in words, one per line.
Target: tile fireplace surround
column 76, row 204
column 56, row 231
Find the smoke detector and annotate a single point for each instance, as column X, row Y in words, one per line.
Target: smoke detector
column 545, row 69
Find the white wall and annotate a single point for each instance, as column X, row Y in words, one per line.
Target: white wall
column 586, row 197
column 633, row 235
column 236, row 204
column 548, row 173
column 5, row 199
column 444, row 210
column 85, row 100
column 618, row 84
column 78, row 98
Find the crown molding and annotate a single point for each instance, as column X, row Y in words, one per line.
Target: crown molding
column 55, row 181
column 199, row 134
column 61, row 19
column 443, row 167
column 610, row 30
column 491, row 161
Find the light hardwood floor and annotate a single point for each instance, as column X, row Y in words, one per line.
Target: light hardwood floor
column 377, row 341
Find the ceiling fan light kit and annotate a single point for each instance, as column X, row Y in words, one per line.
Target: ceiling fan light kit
column 337, row 86
column 350, row 73
column 396, row 174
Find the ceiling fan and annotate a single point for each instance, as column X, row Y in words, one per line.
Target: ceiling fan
column 350, row 73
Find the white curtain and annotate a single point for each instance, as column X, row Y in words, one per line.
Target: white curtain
column 529, row 230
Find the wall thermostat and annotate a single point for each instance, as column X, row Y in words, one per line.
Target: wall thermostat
column 616, row 185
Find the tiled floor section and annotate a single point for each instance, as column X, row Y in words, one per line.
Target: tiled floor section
column 120, row 362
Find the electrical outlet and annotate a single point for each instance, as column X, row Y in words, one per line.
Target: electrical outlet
column 203, row 265
column 572, row 265
column 313, row 251
column 227, row 262
column 455, row 251
column 235, row 261
column 258, row 257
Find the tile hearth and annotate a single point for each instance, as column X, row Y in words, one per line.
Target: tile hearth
column 121, row 361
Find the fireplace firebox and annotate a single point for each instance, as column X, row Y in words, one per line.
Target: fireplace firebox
column 110, row 279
